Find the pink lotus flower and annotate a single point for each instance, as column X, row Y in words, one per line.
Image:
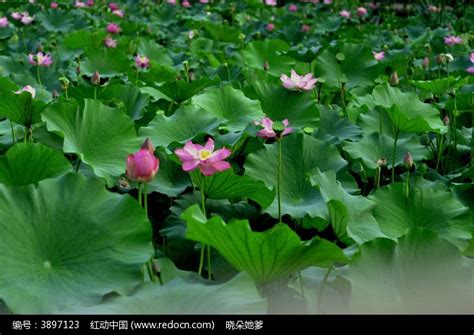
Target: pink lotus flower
column 452, row 40
column 3, row 22
column 90, row 3
column 27, row 88
column 54, row 5
column 204, row 1
column 270, row 27
column 372, row 5
column 40, row 59
column 292, row 8
column 361, row 11
column 113, row 6
column 297, row 82
column 378, row 55
column 16, row 16
column 171, row 2
column 191, row 34
column 186, row 4
column 110, row 42
column 209, row 161
column 113, row 28
column 305, row 28
column 268, row 132
column 271, row 2
column 471, row 57
column 27, row 19
column 470, row 69
column 119, row 13
column 142, row 62
column 79, row 4
column 344, row 13
column 426, row 62
column 327, row 2
column 142, row 166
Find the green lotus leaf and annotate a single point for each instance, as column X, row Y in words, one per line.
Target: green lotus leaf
column 155, row 52
column 334, row 129
column 432, row 209
column 359, row 68
column 135, row 101
column 108, row 62
column 180, row 295
column 84, row 39
column 350, row 215
column 103, row 137
column 270, row 51
column 377, row 146
column 181, row 90
column 230, row 105
column 56, row 20
column 438, row 86
column 265, row 256
column 29, row 163
column 301, row 155
column 68, row 242
column 183, row 125
column 408, row 113
column 20, row 108
column 421, row 274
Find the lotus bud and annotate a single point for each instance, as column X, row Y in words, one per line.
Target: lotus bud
column 408, row 161
column 446, row 120
column 394, row 79
column 95, row 80
column 266, row 66
column 426, row 62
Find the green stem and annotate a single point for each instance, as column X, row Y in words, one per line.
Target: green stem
column 279, row 178
column 201, row 260
column 38, row 75
column 67, row 95
column 145, row 200
column 95, row 93
column 440, row 150
column 407, row 185
column 321, row 290
column 13, row 132
column 78, row 164
column 209, row 265
column 377, row 177
column 397, row 132
column 203, row 246
column 149, row 268
column 140, row 194
column 301, row 283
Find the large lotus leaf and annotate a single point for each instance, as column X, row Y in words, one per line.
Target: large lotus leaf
column 265, row 256
column 420, row 274
column 408, row 113
column 301, row 154
column 56, row 20
column 376, row 146
column 171, row 179
column 181, row 296
column 84, row 39
column 427, row 208
column 155, row 52
column 134, row 101
column 359, row 68
column 438, row 86
column 29, row 163
column 334, row 129
column 19, row 108
column 355, row 211
column 68, row 241
column 181, row 90
column 230, row 105
column 108, row 62
column 228, row 185
column 103, row 137
column 220, row 32
column 270, row 51
column 183, row 125
column 278, row 103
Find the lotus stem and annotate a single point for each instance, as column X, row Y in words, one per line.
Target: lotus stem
column 279, row 178
column 397, row 132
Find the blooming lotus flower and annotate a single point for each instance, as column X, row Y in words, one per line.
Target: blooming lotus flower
column 113, row 28
column 90, row 3
column 426, row 62
column 209, row 161
column 142, row 166
column 171, row 2
column 452, row 40
column 470, row 69
column 27, row 88
column 268, row 131
column 110, row 42
column 3, row 22
column 142, row 62
column 378, row 55
column 327, row 2
column 270, row 27
column 297, row 82
column 40, row 59
column 54, row 5
column 79, row 4
column 16, row 16
column 271, row 2
column 361, row 11
column 292, row 8
column 305, row 28
column 186, row 4
column 471, row 57
column 119, row 13
column 344, row 13
column 27, row 19
column 113, row 6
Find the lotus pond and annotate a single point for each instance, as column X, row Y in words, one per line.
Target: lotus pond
column 161, row 157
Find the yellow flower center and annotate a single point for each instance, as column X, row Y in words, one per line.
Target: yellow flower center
column 204, row 154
